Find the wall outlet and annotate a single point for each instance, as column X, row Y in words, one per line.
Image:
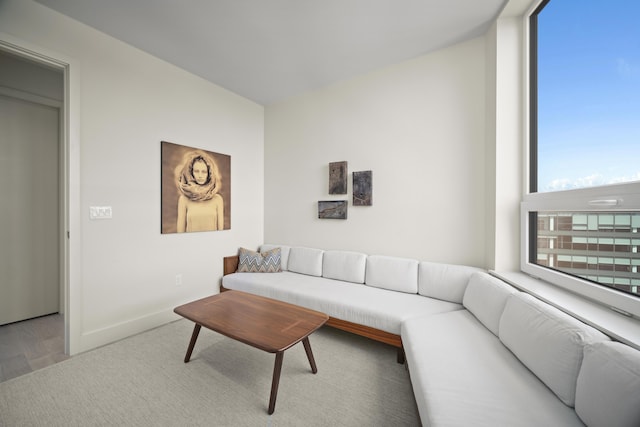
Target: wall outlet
column 178, row 279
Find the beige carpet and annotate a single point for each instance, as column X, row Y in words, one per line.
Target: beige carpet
column 142, row 381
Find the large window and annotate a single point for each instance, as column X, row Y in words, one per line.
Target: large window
column 581, row 216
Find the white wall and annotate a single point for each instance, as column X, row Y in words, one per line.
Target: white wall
column 509, row 146
column 491, row 153
column 506, row 164
column 129, row 102
column 420, row 127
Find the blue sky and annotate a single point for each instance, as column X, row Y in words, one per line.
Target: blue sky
column 589, row 93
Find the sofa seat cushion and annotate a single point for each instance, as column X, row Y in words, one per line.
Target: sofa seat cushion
column 462, row 375
column 374, row 307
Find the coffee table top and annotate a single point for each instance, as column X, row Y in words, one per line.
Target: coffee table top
column 264, row 323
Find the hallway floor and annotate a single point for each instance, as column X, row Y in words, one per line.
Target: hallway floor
column 31, row 345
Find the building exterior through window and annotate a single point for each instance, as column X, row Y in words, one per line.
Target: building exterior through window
column 600, row 247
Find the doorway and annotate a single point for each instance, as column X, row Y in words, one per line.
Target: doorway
column 33, row 213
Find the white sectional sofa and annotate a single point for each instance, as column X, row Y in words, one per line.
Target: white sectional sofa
column 367, row 295
column 479, row 352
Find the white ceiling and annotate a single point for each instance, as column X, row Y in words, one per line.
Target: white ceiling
column 269, row 50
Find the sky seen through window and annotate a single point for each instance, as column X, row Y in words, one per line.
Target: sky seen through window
column 588, row 93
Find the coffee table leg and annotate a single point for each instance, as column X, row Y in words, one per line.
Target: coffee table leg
column 307, row 348
column 192, row 343
column 277, row 368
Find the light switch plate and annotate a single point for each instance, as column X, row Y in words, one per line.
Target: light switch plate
column 100, row 212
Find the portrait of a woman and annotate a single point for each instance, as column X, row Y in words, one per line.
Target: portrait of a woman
column 197, row 197
column 200, row 206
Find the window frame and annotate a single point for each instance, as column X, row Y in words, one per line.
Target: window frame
column 617, row 198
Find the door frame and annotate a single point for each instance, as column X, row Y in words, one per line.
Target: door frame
column 70, row 227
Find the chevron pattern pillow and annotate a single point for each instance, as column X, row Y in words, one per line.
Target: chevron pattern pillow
column 256, row 262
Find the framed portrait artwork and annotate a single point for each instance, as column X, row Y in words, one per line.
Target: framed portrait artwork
column 196, row 189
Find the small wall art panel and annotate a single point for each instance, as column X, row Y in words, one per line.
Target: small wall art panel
column 363, row 188
column 338, row 178
column 332, row 209
column 196, row 189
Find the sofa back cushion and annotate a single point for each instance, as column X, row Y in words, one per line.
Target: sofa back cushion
column 396, row 274
column 305, row 261
column 343, row 265
column 444, row 281
column 485, row 297
column 284, row 254
column 547, row 341
column 608, row 390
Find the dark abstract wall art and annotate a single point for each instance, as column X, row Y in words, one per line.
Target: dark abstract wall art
column 338, row 178
column 363, row 188
column 332, row 209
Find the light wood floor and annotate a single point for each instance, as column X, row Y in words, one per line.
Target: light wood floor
column 31, row 345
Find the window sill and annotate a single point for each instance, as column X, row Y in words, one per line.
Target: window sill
column 616, row 325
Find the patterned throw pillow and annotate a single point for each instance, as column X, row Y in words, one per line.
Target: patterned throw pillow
column 256, row 262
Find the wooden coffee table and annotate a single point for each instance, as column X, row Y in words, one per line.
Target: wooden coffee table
column 264, row 323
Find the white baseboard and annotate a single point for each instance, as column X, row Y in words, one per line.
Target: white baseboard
column 99, row 337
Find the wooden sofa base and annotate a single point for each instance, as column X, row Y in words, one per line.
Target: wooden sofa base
column 369, row 332
column 230, row 265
